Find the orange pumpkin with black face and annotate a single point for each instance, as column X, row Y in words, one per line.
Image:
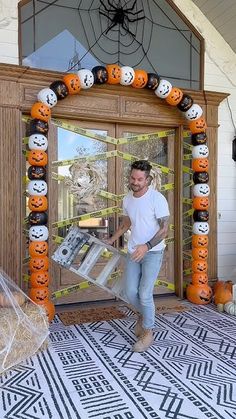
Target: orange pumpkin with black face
column 199, row 278
column 199, row 266
column 198, row 125
column 37, row 264
column 40, row 111
column 199, row 240
column 49, row 308
column 200, row 253
column 200, row 165
column 201, row 202
column 140, row 79
column 199, row 294
column 37, row 249
column 38, row 203
column 72, row 83
column 174, row 97
column 37, row 158
column 39, row 279
column 114, row 73
column 39, row 295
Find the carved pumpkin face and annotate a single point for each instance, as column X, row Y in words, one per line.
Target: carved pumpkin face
column 199, row 138
column 38, row 218
column 38, row 233
column 199, row 240
column 38, row 203
column 113, row 73
column 49, row 308
column 199, row 215
column 163, row 89
column 199, row 125
column 39, row 279
column 200, row 177
column 185, row 103
column 40, row 111
column 199, row 278
column 200, row 203
column 100, row 74
column 200, row 165
column 199, row 266
column 39, row 295
column 199, row 294
column 199, row 253
column 37, row 264
column 38, row 126
column 60, row 89
column 72, row 83
column 153, row 81
column 37, row 249
column 37, row 158
column 140, row 79
column 174, row 97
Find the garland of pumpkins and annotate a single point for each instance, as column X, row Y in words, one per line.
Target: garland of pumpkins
column 198, row 291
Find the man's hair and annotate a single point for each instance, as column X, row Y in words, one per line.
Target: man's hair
column 143, row 165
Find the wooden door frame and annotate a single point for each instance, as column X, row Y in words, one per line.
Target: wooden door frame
column 19, row 87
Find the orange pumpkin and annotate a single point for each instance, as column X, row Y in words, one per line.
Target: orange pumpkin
column 199, row 253
column 199, row 266
column 222, row 285
column 37, row 158
column 39, row 295
column 114, row 73
column 72, row 83
column 37, row 264
column 38, row 249
column 49, row 308
column 200, row 165
column 199, row 240
column 41, row 111
column 201, row 202
column 174, row 97
column 39, row 279
column 198, row 125
column 38, row 203
column 199, row 294
column 223, row 292
column 140, row 79
column 199, row 278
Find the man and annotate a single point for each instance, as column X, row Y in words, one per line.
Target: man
column 146, row 214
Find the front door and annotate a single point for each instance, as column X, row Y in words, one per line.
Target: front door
column 89, row 174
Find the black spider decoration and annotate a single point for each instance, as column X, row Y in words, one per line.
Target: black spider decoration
column 119, row 15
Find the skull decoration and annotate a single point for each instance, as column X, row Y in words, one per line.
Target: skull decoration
column 60, row 89
column 200, row 151
column 40, row 111
column 38, row 203
column 38, row 158
column 200, row 189
column 194, row 112
column 153, row 81
column 37, row 218
column 48, row 97
column 37, row 187
column 72, row 83
column 200, row 203
column 185, row 103
column 38, row 142
column 163, row 89
column 113, row 73
column 127, row 75
column 86, row 78
column 100, row 74
column 38, row 233
column 140, row 79
column 201, row 228
column 174, row 97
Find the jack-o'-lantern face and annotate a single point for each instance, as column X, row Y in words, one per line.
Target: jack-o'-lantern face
column 201, row 203
column 174, row 97
column 199, row 138
column 100, row 74
column 39, row 279
column 153, row 81
column 199, row 278
column 37, row 264
column 200, row 165
column 36, row 172
column 38, row 203
column 198, row 125
column 185, row 103
column 72, row 83
column 39, row 295
column 199, row 253
column 37, row 218
column 37, row 249
column 37, row 158
column 113, row 73
column 38, row 126
column 199, row 294
column 199, row 265
column 200, row 177
column 199, row 240
column 140, row 79
column 200, row 215
column 40, row 111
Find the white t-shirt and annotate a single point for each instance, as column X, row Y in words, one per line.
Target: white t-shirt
column 144, row 213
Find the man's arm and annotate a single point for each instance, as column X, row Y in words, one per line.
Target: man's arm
column 123, row 227
column 161, row 234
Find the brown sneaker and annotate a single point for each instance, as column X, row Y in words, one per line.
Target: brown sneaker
column 138, row 328
column 144, row 342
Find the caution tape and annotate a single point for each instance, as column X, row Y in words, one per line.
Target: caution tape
column 188, row 184
column 101, row 213
column 187, row 134
column 25, row 140
column 167, row 187
column 132, row 158
column 187, row 227
column 186, row 169
column 25, row 153
column 187, row 146
column 187, row 201
column 187, row 157
column 187, row 240
column 95, row 157
column 145, row 137
column 111, row 196
column 187, row 271
column 57, row 176
column 187, row 256
column 188, row 213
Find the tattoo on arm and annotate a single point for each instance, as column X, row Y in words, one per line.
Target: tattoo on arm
column 161, row 234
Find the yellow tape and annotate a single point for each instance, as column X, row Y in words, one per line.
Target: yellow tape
column 111, row 196
column 145, row 137
column 56, row 176
column 187, row 146
column 167, row 187
column 26, row 278
column 188, row 184
column 169, row 240
column 171, row 227
column 187, row 227
column 187, row 256
column 25, row 140
column 187, row 271
column 186, row 169
column 166, row 284
column 187, row 240
column 25, row 153
column 101, row 213
column 95, row 157
column 132, row 158
column 188, row 213
column 188, row 201
column 187, row 157
column 187, row 134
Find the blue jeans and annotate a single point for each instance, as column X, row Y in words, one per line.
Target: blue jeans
column 139, row 278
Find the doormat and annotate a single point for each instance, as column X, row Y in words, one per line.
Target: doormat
column 91, row 315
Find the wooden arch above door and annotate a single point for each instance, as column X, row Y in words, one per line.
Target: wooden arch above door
column 19, row 87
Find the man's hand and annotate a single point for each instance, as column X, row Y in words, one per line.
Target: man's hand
column 139, row 252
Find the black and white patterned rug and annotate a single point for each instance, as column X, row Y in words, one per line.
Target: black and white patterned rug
column 89, row 371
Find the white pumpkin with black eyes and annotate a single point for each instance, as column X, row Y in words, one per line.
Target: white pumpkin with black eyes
column 127, row 75
column 194, row 112
column 48, row 97
column 201, row 189
column 86, row 78
column 38, row 142
column 38, row 233
column 200, row 151
column 37, row 187
column 163, row 89
column 201, row 228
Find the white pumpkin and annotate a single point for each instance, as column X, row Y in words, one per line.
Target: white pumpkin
column 230, row 307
